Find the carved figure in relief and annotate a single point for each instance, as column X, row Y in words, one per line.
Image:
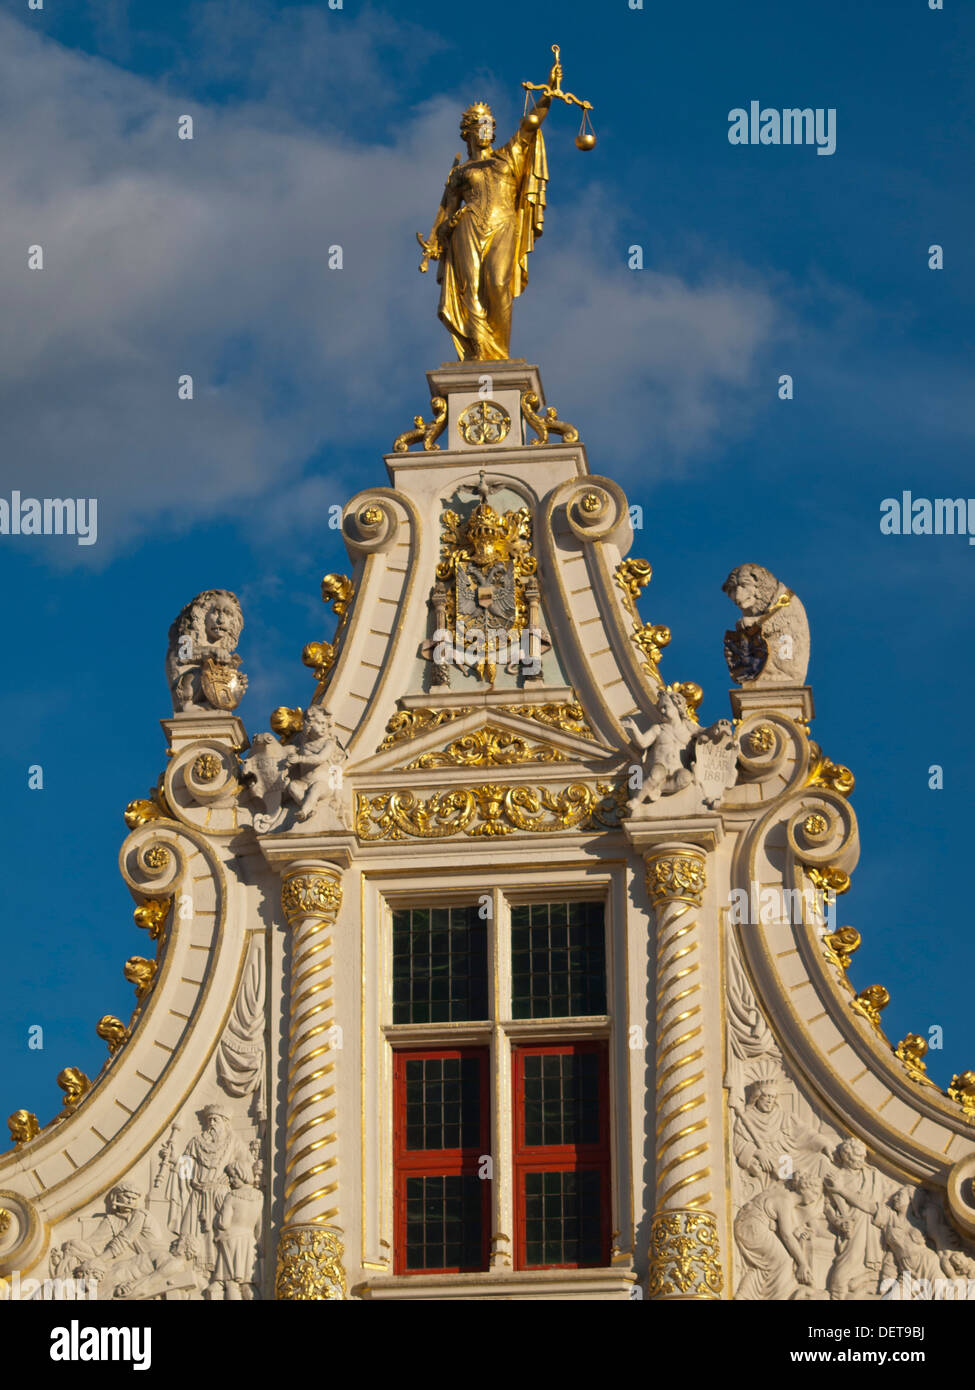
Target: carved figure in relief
column 202, row 1178
column 237, row 1225
column 855, row 1195
column 906, row 1249
column 202, row 666
column 127, row 1254
column 770, row 642
column 774, row 1238
column 766, row 1138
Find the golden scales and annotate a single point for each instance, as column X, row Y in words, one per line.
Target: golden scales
column 586, row 139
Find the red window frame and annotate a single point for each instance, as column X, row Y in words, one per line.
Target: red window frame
column 555, row 1158
column 437, row 1163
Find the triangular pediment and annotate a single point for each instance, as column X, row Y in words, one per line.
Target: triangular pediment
column 485, row 737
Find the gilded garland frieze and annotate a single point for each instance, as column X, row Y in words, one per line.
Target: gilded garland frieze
column 490, row 747
column 492, row 809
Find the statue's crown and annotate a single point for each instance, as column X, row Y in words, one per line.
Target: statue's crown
column 474, row 114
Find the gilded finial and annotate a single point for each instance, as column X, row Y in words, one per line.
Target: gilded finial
column 840, row 945
column 23, row 1126
column 151, row 915
column 141, row 973
column 869, row 1002
column 75, row 1084
column 962, row 1090
column 113, row 1032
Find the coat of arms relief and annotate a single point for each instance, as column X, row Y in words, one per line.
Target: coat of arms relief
column 486, row 598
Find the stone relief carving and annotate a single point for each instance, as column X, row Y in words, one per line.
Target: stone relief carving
column 770, row 642
column 188, row 1229
column 678, row 756
column 126, row 1254
column 202, row 665
column 814, row 1219
column 240, row 1054
column 307, row 772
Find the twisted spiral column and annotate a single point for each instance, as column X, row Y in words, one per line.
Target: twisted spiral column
column 684, row 1255
column 311, row 895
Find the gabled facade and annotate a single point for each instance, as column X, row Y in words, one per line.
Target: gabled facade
column 493, row 973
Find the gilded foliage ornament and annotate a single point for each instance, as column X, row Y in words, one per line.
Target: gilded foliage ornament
column 23, row 1126
column 490, row 747
column 677, row 876
column 309, row 895
column 546, row 424
column 491, row 809
column 684, row 1256
column 310, row 1266
column 825, row 773
column 840, row 945
column 151, row 915
column 429, row 433
column 962, row 1090
column 912, row 1051
column 869, row 1003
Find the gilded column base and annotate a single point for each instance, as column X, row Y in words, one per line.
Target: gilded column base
column 684, row 1255
column 310, row 1265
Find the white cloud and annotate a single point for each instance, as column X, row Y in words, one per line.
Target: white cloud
column 209, row 257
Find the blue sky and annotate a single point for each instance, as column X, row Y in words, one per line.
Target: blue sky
column 316, row 127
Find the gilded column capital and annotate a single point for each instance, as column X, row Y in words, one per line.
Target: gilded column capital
column 678, row 877
column 685, row 1255
column 311, row 893
column 310, row 1266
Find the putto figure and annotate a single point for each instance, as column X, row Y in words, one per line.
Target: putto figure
column 491, row 212
column 770, row 643
column 202, row 665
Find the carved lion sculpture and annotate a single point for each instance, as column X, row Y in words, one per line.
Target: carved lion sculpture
column 202, row 665
column 770, row 642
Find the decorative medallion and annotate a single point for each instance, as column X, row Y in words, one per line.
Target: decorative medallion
column 484, row 422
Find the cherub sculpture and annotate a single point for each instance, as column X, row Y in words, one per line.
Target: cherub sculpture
column 308, row 772
column 664, row 770
column 770, row 642
column 315, row 766
column 202, row 665
column 678, row 753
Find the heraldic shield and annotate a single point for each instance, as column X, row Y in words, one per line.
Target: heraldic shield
column 222, row 684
